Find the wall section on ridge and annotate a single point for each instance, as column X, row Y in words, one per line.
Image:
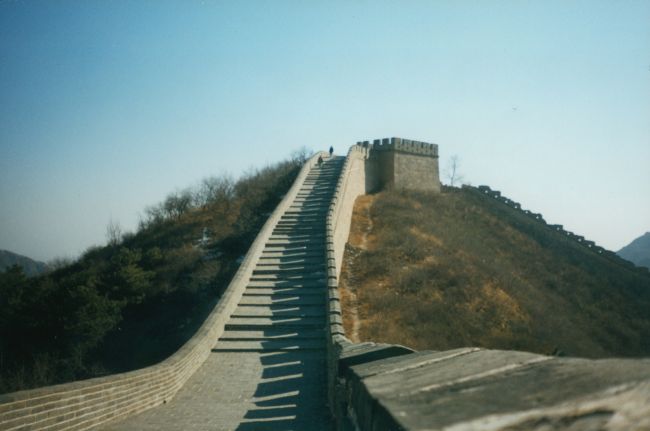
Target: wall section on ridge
column 85, row 404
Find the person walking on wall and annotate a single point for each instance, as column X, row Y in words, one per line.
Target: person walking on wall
column 320, row 161
column 331, row 151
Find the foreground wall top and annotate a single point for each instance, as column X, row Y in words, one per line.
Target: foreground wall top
column 402, row 145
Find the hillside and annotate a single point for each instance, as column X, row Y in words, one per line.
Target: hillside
column 638, row 251
column 30, row 267
column 441, row 271
column 135, row 301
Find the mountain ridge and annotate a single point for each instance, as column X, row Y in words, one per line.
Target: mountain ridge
column 637, row 251
column 30, row 266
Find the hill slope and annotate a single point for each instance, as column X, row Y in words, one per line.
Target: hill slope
column 638, row 251
column 460, row 269
column 30, row 267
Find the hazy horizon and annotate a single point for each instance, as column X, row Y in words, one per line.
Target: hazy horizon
column 108, row 107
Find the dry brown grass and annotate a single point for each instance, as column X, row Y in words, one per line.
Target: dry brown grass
column 455, row 269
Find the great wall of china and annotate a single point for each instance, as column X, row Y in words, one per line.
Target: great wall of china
column 275, row 344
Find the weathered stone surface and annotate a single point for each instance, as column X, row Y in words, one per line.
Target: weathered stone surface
column 500, row 390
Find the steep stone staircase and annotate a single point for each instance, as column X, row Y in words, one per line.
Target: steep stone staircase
column 283, row 306
column 268, row 369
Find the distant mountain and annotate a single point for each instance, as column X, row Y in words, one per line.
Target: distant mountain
column 638, row 251
column 30, row 267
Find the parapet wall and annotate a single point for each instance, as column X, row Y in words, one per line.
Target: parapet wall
column 84, row 404
column 355, row 180
column 578, row 239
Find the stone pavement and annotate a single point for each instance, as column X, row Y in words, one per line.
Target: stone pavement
column 267, row 371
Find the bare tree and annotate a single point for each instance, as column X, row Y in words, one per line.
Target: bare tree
column 176, row 204
column 301, row 155
column 453, row 174
column 113, row 232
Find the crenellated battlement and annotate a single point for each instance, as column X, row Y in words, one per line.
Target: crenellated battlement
column 402, row 145
column 579, row 239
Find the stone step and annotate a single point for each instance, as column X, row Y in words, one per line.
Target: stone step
column 265, row 323
column 287, row 224
column 268, row 345
column 283, row 230
column 311, row 200
column 299, row 228
column 293, row 244
column 281, row 284
column 318, row 220
column 314, row 222
column 313, row 248
column 326, row 182
column 322, row 174
column 297, row 239
column 301, row 254
column 320, row 194
column 301, row 206
column 288, row 311
column 278, row 277
column 274, row 334
column 283, row 300
column 312, row 189
column 328, row 176
column 315, row 213
column 299, row 235
column 309, row 205
column 286, row 291
column 288, row 269
column 303, row 217
column 301, row 221
column 291, row 260
column 284, row 236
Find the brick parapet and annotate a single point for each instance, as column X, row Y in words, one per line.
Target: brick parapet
column 85, row 404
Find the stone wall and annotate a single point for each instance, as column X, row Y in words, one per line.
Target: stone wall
column 356, row 179
column 578, row 239
column 84, row 404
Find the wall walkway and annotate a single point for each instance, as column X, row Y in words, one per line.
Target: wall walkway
column 267, row 370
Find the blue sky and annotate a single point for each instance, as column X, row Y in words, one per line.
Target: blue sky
column 105, row 107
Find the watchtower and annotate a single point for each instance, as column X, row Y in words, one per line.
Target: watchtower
column 404, row 163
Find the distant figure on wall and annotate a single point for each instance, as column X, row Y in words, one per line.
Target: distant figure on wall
column 320, row 161
column 331, row 151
